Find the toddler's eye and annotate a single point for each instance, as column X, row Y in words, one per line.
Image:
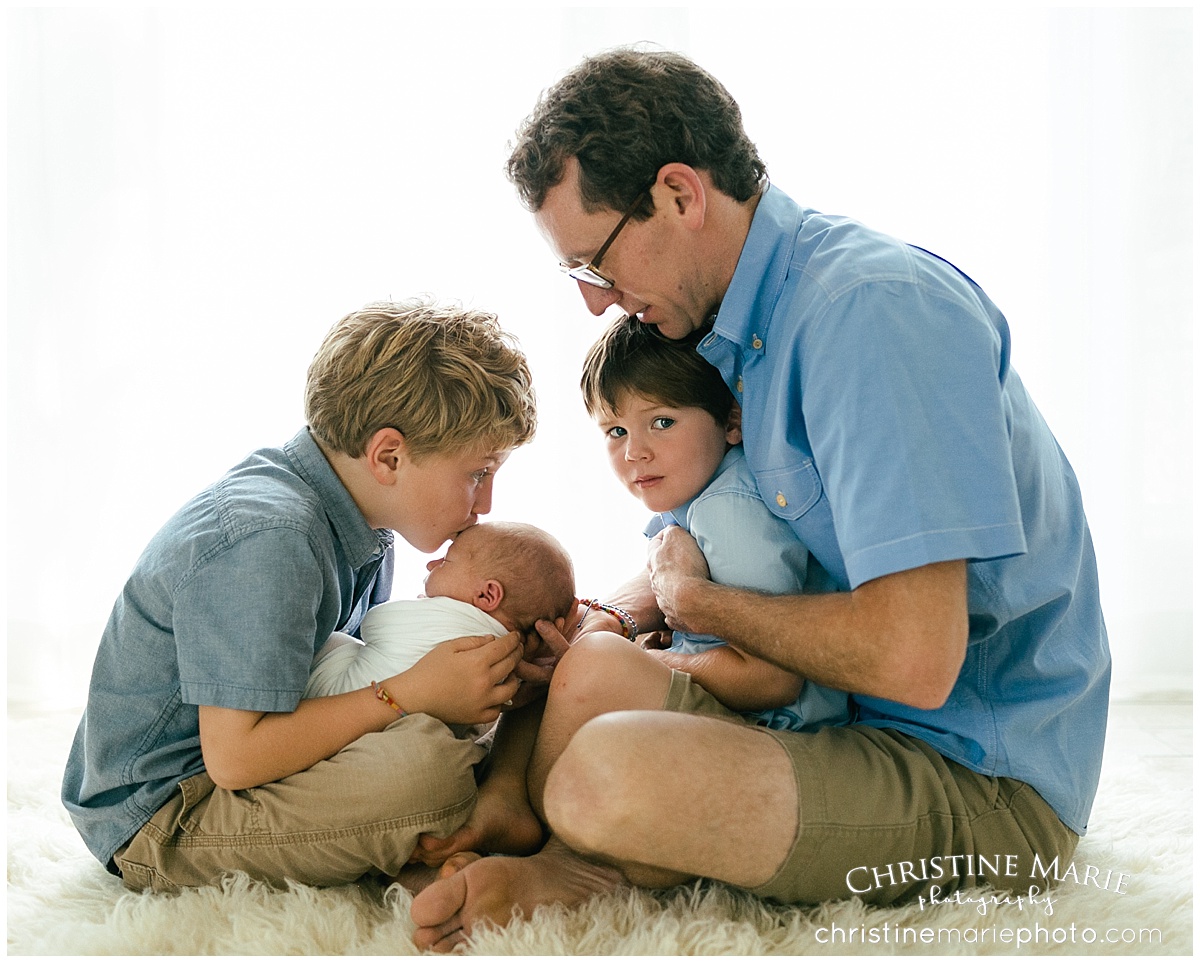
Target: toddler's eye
column 616, row 432
column 662, row 421
column 480, row 475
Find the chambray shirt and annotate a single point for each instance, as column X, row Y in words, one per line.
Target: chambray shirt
column 883, row 422
column 226, row 607
column 747, row 547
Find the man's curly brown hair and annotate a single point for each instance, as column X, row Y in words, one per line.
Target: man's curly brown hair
column 624, row 114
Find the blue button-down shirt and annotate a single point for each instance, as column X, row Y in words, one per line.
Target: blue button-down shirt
column 226, row 607
column 747, row 547
column 883, row 421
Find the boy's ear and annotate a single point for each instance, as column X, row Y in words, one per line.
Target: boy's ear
column 733, row 425
column 385, row 452
column 489, row 595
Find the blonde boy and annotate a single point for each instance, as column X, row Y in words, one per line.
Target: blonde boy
column 196, row 755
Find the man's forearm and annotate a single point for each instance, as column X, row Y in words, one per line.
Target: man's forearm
column 900, row 637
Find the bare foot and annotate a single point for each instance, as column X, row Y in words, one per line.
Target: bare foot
column 502, row 822
column 494, row 888
column 416, row 876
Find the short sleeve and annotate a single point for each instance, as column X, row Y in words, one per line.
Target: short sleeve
column 902, row 393
column 745, row 545
column 245, row 623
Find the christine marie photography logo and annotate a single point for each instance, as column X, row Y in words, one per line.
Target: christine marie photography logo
column 1035, row 887
column 1041, row 875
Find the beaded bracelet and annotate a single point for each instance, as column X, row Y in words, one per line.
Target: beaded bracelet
column 382, row 695
column 629, row 627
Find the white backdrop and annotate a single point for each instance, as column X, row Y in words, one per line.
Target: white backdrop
column 196, row 195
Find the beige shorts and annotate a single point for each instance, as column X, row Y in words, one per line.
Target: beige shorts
column 358, row 813
column 884, row 817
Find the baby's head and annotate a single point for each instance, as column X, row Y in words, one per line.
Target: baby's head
column 515, row 572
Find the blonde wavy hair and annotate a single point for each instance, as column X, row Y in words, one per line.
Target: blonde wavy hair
column 445, row 377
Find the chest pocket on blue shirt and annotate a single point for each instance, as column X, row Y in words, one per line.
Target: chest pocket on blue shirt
column 790, row 492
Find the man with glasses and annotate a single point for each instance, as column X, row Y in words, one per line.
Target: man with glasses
column 883, row 422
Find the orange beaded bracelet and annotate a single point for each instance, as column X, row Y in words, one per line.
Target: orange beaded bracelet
column 383, row 696
column 629, row 627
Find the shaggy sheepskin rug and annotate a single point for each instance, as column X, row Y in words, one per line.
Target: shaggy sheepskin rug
column 1136, row 898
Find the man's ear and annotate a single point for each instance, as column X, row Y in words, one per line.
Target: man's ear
column 385, row 453
column 685, row 192
column 733, row 425
column 489, row 595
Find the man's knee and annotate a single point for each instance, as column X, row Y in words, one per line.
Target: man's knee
column 604, row 672
column 593, row 788
column 586, row 665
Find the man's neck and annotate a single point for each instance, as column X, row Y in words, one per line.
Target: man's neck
column 731, row 226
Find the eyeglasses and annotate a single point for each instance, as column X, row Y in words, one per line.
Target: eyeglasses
column 590, row 273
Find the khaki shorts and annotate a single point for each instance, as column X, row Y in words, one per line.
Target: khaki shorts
column 886, row 818
column 355, row 814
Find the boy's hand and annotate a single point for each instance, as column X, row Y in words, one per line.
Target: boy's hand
column 466, row 680
column 655, row 641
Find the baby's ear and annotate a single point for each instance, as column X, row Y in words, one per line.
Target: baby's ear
column 489, row 595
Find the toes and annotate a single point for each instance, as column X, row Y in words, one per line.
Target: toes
column 457, row 862
column 433, row 851
column 438, row 938
column 440, row 903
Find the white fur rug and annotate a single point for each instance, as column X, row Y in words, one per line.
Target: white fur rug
column 60, row 901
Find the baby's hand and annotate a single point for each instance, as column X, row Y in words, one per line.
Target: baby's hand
column 466, row 680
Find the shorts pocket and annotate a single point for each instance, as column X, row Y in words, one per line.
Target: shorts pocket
column 196, row 790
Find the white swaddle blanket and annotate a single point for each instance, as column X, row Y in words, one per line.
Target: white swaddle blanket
column 395, row 635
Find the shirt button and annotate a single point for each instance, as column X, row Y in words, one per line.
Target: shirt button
column 739, row 386
column 780, row 500
column 756, row 344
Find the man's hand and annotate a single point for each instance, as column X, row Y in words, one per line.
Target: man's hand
column 675, row 564
column 467, row 680
column 543, row 647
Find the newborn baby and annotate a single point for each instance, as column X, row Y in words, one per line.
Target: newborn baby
column 495, row 577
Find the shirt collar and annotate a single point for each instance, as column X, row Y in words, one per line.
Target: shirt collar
column 761, row 269
column 360, row 541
